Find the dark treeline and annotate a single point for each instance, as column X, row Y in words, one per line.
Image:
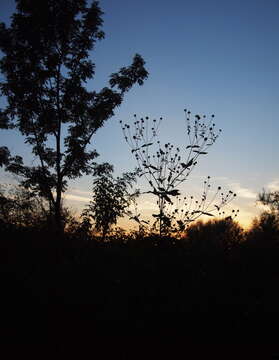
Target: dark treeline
column 215, row 283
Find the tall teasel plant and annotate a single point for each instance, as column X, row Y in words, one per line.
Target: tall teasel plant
column 169, row 166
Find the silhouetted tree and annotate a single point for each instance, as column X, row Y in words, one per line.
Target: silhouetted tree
column 215, row 235
column 264, row 231
column 21, row 208
column 270, row 199
column 111, row 198
column 46, row 65
column 4, row 156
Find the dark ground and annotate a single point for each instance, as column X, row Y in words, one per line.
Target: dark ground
column 123, row 299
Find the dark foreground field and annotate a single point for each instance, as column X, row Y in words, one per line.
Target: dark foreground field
column 68, row 291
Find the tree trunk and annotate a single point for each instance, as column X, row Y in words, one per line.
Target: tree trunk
column 58, row 218
column 104, row 233
column 58, row 225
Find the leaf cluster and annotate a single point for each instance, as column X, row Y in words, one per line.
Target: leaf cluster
column 111, row 198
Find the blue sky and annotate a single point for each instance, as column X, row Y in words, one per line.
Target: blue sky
column 215, row 56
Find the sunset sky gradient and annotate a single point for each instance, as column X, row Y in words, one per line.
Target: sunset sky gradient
column 213, row 57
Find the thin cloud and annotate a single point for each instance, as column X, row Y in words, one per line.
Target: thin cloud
column 77, row 191
column 243, row 192
column 76, row 198
column 273, row 185
column 146, row 205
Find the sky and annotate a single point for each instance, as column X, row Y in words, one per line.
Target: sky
column 212, row 57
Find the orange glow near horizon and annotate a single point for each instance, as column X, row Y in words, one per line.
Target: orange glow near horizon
column 244, row 218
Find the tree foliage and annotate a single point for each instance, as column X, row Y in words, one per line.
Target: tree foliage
column 270, row 199
column 111, row 199
column 215, row 235
column 264, row 231
column 21, row 208
column 46, row 65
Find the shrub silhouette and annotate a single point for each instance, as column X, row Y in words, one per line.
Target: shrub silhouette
column 21, row 208
column 22, row 211
column 270, row 199
column 214, row 235
column 111, row 198
column 264, row 231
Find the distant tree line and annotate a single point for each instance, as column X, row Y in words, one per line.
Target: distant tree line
column 21, row 210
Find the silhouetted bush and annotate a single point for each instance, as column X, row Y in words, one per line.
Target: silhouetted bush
column 264, row 231
column 110, row 200
column 214, row 235
column 21, row 208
